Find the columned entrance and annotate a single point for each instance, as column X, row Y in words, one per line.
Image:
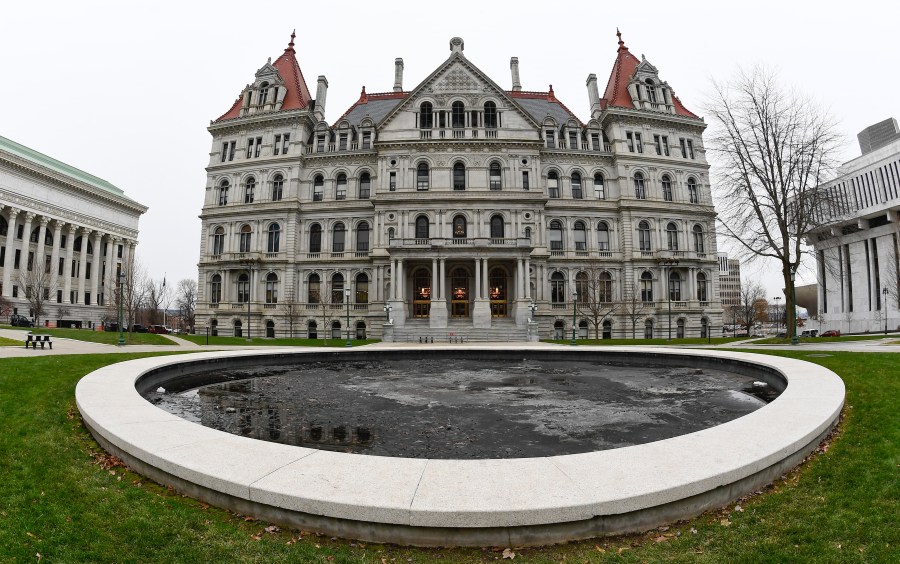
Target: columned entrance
column 459, row 293
column 421, row 293
column 498, row 293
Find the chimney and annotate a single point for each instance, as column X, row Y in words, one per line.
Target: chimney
column 321, row 92
column 514, row 67
column 398, row 75
column 593, row 93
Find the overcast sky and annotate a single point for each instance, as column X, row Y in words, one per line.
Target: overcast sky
column 125, row 90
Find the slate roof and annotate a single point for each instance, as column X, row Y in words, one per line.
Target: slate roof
column 377, row 106
column 540, row 104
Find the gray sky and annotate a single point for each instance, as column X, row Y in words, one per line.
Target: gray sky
column 125, row 90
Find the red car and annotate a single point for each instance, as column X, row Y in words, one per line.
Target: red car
column 831, row 333
column 159, row 329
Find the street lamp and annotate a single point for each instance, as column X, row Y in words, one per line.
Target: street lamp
column 387, row 313
column 666, row 264
column 777, row 313
column 347, row 300
column 121, row 280
column 884, row 307
column 533, row 308
column 794, row 339
column 574, row 313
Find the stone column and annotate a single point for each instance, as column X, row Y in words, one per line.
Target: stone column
column 54, row 255
column 67, row 267
column 26, row 244
column 438, row 312
column 527, row 274
column 485, row 281
column 42, row 240
column 443, row 295
column 10, row 253
column 82, row 269
column 477, row 279
column 481, row 313
column 96, row 268
column 109, row 284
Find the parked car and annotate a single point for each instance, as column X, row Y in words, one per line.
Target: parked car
column 781, row 335
column 138, row 328
column 20, row 321
column 832, row 333
column 111, row 327
column 805, row 333
column 159, row 330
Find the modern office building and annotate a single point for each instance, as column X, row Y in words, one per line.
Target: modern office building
column 454, row 206
column 76, row 227
column 729, row 285
column 856, row 244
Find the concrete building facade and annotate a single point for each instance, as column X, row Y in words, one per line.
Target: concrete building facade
column 78, row 228
column 452, row 207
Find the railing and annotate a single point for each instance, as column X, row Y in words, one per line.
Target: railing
column 313, row 255
column 560, row 306
column 239, row 305
column 557, row 253
column 270, row 306
column 679, row 305
column 647, row 254
column 461, row 242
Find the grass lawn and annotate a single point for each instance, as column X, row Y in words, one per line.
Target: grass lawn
column 256, row 341
column 104, row 337
column 619, row 342
column 4, row 342
column 61, row 500
column 841, row 339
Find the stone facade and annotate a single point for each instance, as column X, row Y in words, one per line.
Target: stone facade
column 79, row 227
column 453, row 207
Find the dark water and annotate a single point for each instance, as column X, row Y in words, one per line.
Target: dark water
column 466, row 409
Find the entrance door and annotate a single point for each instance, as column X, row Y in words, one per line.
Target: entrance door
column 497, row 292
column 459, row 293
column 422, row 293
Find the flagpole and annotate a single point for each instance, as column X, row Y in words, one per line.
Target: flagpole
column 165, row 307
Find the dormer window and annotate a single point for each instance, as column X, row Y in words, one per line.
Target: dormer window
column 263, row 93
column 551, row 138
column 342, row 142
column 573, row 139
column 651, row 91
column 367, row 140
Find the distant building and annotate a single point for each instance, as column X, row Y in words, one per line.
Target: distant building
column 77, row 227
column 729, row 284
column 856, row 243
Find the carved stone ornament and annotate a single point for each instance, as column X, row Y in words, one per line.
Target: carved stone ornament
column 457, row 80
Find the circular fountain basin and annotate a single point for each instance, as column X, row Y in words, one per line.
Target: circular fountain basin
column 442, row 502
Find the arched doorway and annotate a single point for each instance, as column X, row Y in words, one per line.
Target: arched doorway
column 270, row 329
column 360, row 330
column 607, row 329
column 459, row 293
column 238, row 330
column 312, row 330
column 582, row 329
column 559, row 330
column 214, row 327
column 497, row 292
column 335, row 329
column 421, row 293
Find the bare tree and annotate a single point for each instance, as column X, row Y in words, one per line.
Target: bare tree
column 595, row 297
column 748, row 310
column 772, row 148
column 133, row 290
column 157, row 297
column 291, row 310
column 186, row 300
column 633, row 308
column 6, row 308
column 39, row 284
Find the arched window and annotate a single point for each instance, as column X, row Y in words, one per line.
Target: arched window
column 223, row 192
column 667, row 188
column 558, row 288
column 679, row 329
column 457, row 115
column 576, row 186
column 335, row 329
column 559, row 330
column 244, row 239
column 459, row 227
column 648, row 329
column 337, row 288
column 604, row 288
column 243, row 288
column 602, row 236
column 312, row 330
column 340, row 189
column 459, row 176
column 274, row 242
column 528, row 233
column 674, row 287
column 218, row 241
column 48, row 240
column 238, row 332
column 497, row 227
column 338, row 235
column 314, row 292
column 362, row 288
column 249, row 188
column 553, row 184
column 639, row 191
column 646, row 286
column 698, row 239
column 494, row 178
column 361, row 330
column 365, row 186
column 263, row 93
column 672, row 237
column 599, row 188
column 215, row 289
column 422, row 176
column 583, row 329
column 274, row 431
column 692, row 191
column 701, row 287
column 277, row 187
column 422, row 227
column 582, row 288
column 271, row 288
column 315, row 238
column 362, row 237
column 651, row 91
column 490, row 115
column 704, row 328
column 607, row 329
column 426, row 115
column 35, row 235
column 556, row 236
column 644, row 236
column 580, row 236
column 318, row 188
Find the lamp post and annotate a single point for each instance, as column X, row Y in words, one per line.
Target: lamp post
column 347, row 300
column 121, row 280
column 667, row 264
column 249, row 263
column 777, row 313
column 533, row 308
column 884, row 307
column 794, row 339
column 387, row 313
column 574, row 313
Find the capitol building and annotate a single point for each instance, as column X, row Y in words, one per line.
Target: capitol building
column 459, row 208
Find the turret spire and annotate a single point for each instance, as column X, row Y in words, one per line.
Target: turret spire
column 290, row 46
column 622, row 46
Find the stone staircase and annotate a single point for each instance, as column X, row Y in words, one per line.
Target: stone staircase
column 459, row 331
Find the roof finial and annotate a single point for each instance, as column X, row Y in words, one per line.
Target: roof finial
column 550, row 95
column 622, row 46
column 291, row 43
column 363, row 97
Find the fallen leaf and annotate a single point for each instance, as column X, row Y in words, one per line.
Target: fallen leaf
column 725, row 523
column 693, row 531
column 272, row 529
column 600, row 550
column 663, row 529
column 507, row 553
column 660, row 538
column 38, row 554
column 738, row 508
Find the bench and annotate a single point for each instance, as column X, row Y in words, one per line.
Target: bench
column 33, row 340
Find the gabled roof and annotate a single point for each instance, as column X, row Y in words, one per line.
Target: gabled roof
column 297, row 95
column 375, row 106
column 616, row 94
column 541, row 104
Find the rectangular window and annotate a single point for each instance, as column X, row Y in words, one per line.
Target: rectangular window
column 690, row 146
column 525, row 185
column 119, row 254
column 573, row 140
column 551, row 139
column 665, row 144
column 62, row 242
column 629, row 139
column 59, row 296
column 849, row 278
column 683, row 148
column 15, row 291
column 342, row 142
column 258, row 146
column 285, row 143
column 320, row 143
column 595, row 141
column 392, row 182
column 62, row 265
column 224, row 151
column 16, row 258
column 637, row 143
column 277, row 147
column 657, row 142
column 87, row 271
column 231, row 148
column 87, row 298
column 2, row 255
column 367, row 140
column 30, row 261
column 250, row 142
